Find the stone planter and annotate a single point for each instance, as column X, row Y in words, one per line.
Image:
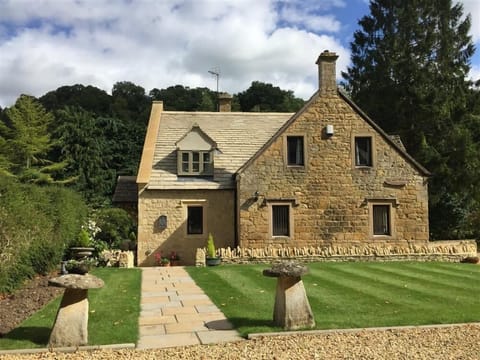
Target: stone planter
column 82, row 252
column 213, row 261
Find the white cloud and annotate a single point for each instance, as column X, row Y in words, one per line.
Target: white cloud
column 472, row 7
column 49, row 43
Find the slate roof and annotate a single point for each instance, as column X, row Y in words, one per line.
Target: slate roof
column 238, row 137
column 125, row 190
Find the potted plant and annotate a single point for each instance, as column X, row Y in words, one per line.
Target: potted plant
column 80, row 267
column 174, row 258
column 82, row 246
column 161, row 260
column 212, row 259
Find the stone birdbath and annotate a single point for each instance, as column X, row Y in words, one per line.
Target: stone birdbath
column 292, row 310
column 71, row 323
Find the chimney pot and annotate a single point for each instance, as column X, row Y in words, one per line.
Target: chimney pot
column 327, row 82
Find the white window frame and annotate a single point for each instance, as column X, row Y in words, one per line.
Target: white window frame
column 205, row 168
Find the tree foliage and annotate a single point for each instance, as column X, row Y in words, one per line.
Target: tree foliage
column 25, row 142
column 28, row 136
column 93, row 137
column 181, row 98
column 410, row 60
column 268, row 98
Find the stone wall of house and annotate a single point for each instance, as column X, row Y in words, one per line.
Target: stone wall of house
column 218, row 219
column 331, row 199
column 430, row 251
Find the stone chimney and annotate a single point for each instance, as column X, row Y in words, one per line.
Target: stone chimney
column 327, row 82
column 224, row 102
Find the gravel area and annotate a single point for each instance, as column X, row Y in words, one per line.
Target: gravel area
column 456, row 342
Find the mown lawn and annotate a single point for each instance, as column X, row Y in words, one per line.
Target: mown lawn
column 113, row 313
column 351, row 295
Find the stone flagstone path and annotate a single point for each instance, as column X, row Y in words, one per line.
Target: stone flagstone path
column 176, row 312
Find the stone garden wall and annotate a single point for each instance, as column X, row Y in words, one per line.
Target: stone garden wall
column 432, row 251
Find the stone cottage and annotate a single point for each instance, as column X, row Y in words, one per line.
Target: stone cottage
column 324, row 176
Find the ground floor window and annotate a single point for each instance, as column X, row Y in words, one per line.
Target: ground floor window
column 281, row 220
column 194, row 220
column 381, row 220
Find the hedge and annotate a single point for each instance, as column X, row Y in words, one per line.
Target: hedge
column 36, row 225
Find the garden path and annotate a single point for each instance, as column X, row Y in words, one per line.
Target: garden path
column 176, row 312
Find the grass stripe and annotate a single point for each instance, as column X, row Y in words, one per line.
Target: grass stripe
column 421, row 279
column 345, row 295
column 459, row 271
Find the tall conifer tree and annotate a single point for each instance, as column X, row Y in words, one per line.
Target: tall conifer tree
column 410, row 60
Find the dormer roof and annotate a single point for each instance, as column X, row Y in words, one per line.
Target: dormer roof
column 196, row 140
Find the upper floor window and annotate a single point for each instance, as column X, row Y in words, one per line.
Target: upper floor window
column 195, row 163
column 295, row 151
column 363, row 151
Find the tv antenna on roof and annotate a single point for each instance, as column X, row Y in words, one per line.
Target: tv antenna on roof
column 216, row 72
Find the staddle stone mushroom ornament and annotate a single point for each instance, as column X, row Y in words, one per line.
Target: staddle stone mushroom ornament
column 71, row 323
column 292, row 310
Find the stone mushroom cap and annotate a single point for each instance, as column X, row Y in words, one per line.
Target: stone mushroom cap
column 286, row 268
column 75, row 281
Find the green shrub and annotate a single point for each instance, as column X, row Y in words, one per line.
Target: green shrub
column 83, row 239
column 115, row 226
column 211, row 252
column 36, row 225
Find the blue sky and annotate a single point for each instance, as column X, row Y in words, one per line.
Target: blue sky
column 45, row 44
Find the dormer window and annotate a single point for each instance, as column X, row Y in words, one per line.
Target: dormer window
column 195, row 152
column 195, row 163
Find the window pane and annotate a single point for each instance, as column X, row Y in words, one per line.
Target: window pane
column 207, row 165
column 295, row 154
column 281, row 220
column 363, row 151
column 196, row 162
column 185, row 162
column 195, row 220
column 381, row 219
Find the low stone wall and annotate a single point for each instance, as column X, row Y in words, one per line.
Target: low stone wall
column 452, row 250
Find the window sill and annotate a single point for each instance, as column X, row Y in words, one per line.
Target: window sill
column 195, row 235
column 383, row 237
